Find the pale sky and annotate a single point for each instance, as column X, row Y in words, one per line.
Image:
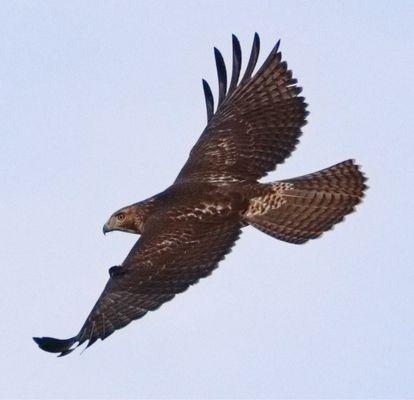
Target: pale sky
column 101, row 102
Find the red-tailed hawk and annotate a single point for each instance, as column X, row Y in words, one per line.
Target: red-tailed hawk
column 187, row 229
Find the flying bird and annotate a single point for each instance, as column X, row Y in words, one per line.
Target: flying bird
column 188, row 228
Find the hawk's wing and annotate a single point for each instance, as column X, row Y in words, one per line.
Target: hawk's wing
column 166, row 260
column 256, row 125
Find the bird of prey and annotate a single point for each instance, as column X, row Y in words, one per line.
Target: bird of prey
column 188, row 228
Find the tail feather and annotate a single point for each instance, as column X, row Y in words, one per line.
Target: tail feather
column 299, row 209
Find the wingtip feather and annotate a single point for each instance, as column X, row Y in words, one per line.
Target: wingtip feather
column 53, row 345
column 277, row 45
column 222, row 75
column 208, row 95
column 237, row 61
column 254, row 54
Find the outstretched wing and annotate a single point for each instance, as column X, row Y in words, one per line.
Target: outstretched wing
column 256, row 125
column 166, row 260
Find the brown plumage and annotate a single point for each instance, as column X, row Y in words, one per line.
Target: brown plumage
column 187, row 229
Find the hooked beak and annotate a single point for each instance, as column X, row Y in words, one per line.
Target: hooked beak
column 106, row 228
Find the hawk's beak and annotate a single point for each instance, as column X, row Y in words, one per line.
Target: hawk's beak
column 106, row 228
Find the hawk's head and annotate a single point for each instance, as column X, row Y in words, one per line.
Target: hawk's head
column 126, row 219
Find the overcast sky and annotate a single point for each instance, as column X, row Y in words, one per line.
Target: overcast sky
column 100, row 104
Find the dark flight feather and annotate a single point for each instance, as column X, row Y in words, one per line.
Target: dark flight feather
column 222, row 75
column 53, row 345
column 237, row 61
column 209, row 100
column 254, row 55
column 271, row 57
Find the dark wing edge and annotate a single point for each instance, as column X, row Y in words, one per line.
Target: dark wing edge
column 124, row 299
column 224, row 95
column 52, row 345
column 222, row 73
column 66, row 346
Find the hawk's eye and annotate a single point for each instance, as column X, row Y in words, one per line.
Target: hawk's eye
column 120, row 217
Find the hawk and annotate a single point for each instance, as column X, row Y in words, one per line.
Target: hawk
column 188, row 229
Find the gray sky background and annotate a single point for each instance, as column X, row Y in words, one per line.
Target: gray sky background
column 100, row 104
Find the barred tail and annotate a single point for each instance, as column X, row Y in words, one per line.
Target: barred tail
column 302, row 208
